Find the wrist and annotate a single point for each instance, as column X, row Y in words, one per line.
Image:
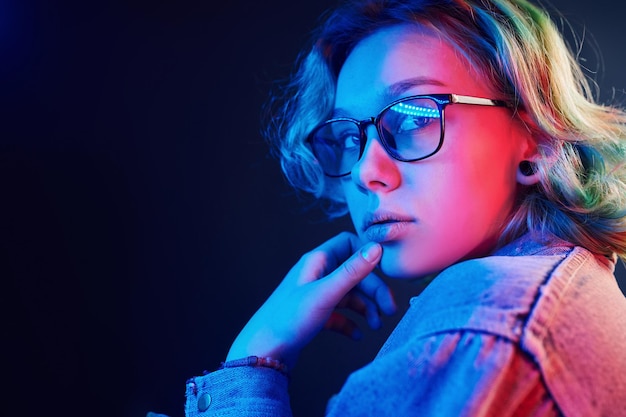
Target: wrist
column 262, row 345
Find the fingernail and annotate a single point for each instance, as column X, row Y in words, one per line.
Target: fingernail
column 371, row 252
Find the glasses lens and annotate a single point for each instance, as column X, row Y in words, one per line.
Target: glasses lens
column 336, row 145
column 412, row 128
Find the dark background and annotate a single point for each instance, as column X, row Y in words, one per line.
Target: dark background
column 142, row 220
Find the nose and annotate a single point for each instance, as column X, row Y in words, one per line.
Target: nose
column 376, row 170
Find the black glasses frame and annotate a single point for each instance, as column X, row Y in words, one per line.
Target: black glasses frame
column 442, row 100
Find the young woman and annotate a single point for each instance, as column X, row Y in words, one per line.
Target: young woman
column 462, row 139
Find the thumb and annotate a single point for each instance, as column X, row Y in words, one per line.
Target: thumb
column 351, row 272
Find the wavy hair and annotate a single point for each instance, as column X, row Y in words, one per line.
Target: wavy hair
column 581, row 194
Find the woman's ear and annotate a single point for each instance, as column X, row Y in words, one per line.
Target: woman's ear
column 527, row 172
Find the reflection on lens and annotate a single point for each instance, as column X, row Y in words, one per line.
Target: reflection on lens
column 418, row 110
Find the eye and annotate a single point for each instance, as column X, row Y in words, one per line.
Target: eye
column 346, row 134
column 350, row 140
column 408, row 124
column 411, row 117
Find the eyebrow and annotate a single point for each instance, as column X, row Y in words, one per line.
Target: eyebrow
column 395, row 90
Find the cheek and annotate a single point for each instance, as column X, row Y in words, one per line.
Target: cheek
column 468, row 203
column 484, row 164
column 451, row 203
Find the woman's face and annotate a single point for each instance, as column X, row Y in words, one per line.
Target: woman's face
column 453, row 205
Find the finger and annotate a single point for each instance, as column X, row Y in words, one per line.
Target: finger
column 372, row 315
column 337, row 284
column 326, row 257
column 343, row 325
column 339, row 248
column 360, row 304
column 376, row 289
column 354, row 302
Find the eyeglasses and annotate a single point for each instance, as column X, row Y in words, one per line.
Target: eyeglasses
column 410, row 129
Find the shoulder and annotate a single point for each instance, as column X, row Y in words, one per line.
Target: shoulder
column 493, row 294
column 496, row 294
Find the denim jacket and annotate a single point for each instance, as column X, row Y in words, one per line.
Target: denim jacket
column 536, row 329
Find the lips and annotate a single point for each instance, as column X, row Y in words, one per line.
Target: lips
column 385, row 226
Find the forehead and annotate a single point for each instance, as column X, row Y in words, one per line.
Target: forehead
column 403, row 60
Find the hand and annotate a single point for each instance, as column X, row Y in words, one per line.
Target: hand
column 334, row 275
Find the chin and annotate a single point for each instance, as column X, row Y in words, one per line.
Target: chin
column 404, row 262
column 395, row 269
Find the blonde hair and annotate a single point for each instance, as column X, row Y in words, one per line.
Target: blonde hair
column 581, row 195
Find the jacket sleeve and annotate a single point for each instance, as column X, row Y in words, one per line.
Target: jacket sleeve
column 245, row 390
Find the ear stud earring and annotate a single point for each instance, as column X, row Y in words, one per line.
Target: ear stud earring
column 527, row 168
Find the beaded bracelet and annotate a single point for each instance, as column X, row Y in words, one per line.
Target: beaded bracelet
column 257, row 361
